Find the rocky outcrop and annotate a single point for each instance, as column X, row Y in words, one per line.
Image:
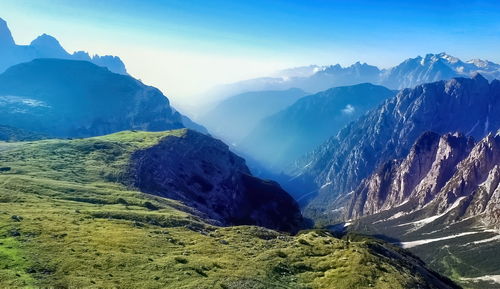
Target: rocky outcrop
column 204, row 174
column 66, row 98
column 471, row 106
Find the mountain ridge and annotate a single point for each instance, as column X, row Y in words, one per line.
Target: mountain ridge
column 407, row 74
column 46, row 46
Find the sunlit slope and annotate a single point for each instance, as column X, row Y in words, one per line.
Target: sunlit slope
column 68, row 220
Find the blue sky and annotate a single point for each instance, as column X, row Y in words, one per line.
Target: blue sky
column 186, row 46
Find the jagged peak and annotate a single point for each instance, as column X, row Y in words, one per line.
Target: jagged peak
column 426, row 141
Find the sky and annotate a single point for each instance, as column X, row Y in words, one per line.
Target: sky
column 185, row 47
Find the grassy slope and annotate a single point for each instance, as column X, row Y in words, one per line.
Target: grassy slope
column 66, row 222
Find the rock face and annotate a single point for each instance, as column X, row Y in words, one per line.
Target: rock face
column 201, row 172
column 66, row 98
column 337, row 167
column 307, row 123
column 437, row 171
column 46, row 46
column 441, row 202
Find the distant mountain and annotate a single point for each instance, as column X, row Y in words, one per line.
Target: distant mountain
column 310, row 121
column 435, row 67
column 46, row 46
column 338, row 166
column 408, row 74
column 311, row 79
column 444, row 194
column 67, row 98
column 234, row 118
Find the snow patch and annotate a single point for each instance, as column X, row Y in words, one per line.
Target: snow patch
column 487, row 278
column 411, row 244
column 429, row 220
column 325, row 185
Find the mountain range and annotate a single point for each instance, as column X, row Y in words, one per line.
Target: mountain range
column 407, row 74
column 46, row 46
column 336, row 168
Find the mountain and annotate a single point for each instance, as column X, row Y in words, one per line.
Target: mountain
column 310, row 121
column 82, row 221
column 67, row 98
column 445, row 192
column 435, row 67
column 408, row 74
column 46, row 46
column 439, row 170
column 203, row 174
column 234, row 118
column 339, row 165
column 311, row 79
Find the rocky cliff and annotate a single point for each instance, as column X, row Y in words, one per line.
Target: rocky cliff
column 440, row 172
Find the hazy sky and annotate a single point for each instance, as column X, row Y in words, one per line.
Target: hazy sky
column 186, row 46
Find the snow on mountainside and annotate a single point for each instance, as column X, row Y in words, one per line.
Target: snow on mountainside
column 46, row 46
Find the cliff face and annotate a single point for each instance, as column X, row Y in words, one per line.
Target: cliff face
column 438, row 172
column 201, row 172
column 337, row 167
column 442, row 201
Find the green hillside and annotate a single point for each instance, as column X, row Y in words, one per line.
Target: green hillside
column 67, row 220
